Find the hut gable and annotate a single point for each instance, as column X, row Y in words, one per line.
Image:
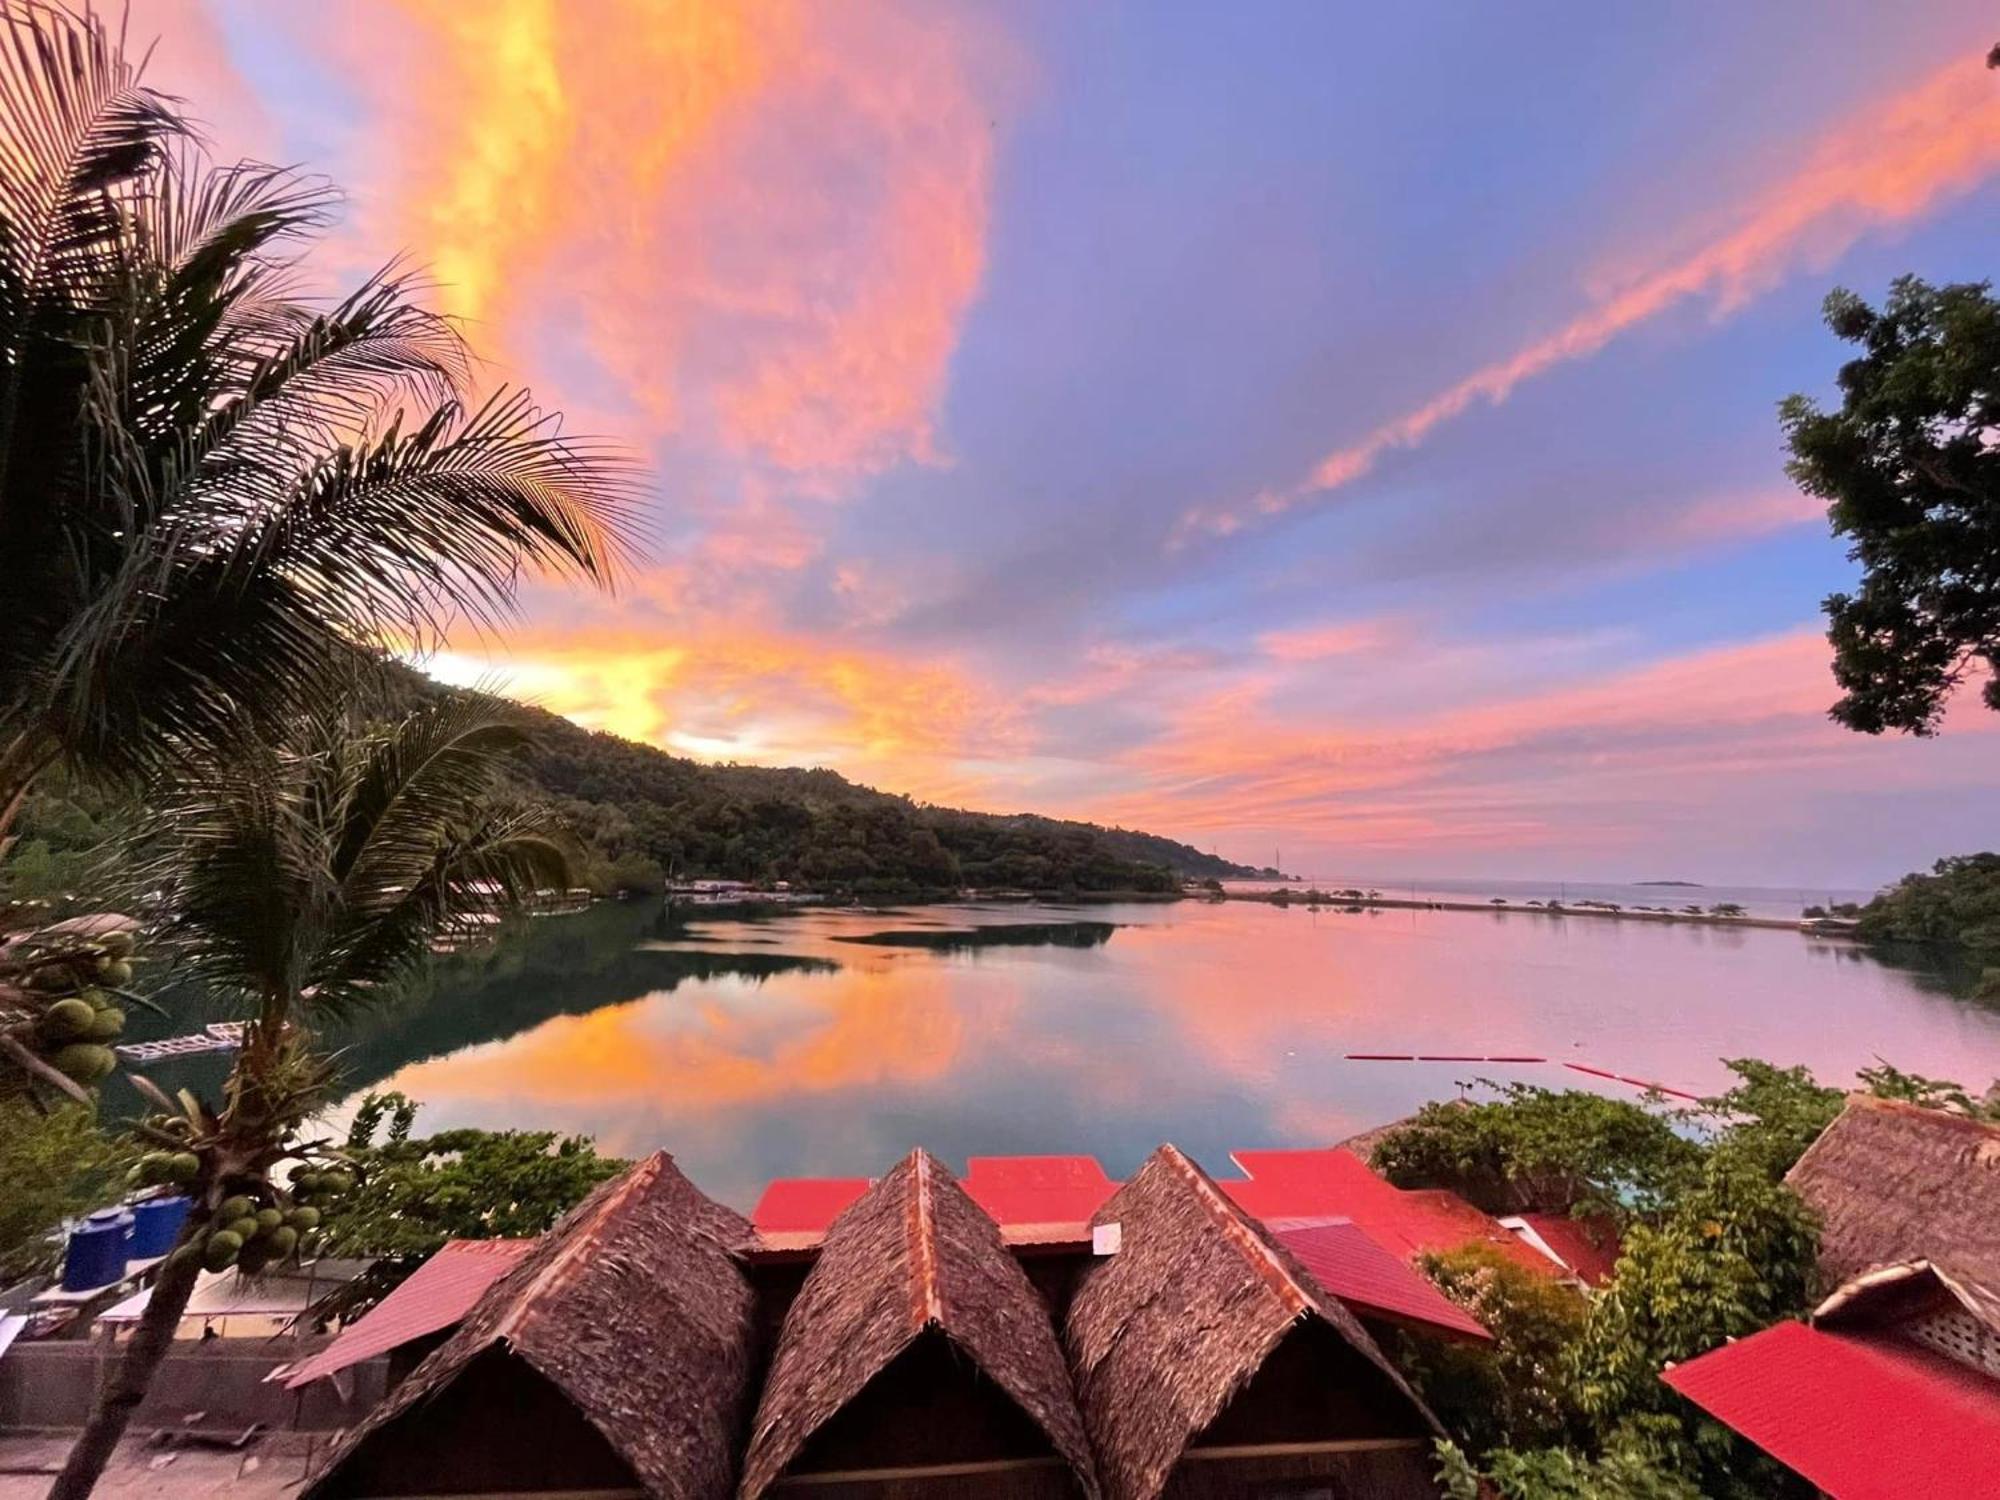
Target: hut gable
column 1166, row 1331
column 913, row 1259
column 1894, row 1182
column 633, row 1310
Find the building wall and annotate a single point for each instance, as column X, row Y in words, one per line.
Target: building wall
column 1379, row 1474
column 53, row 1386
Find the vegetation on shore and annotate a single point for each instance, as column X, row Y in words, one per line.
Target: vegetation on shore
column 1957, row 904
column 646, row 814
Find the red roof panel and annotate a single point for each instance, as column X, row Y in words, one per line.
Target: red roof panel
column 1862, row 1417
column 795, row 1205
column 1022, row 1190
column 437, row 1295
column 1589, row 1247
column 1332, row 1183
column 1371, row 1281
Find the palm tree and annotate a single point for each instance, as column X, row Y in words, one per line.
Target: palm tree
column 216, row 496
column 304, row 882
column 210, row 486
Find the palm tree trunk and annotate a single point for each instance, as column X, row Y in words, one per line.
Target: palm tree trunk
column 149, row 1346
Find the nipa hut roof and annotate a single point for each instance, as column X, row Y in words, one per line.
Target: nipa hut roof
column 635, row 1308
column 1893, row 1182
column 914, row 1253
column 1164, row 1332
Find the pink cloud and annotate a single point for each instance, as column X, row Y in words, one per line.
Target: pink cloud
column 1890, row 164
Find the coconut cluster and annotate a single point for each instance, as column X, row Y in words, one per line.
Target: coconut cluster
column 257, row 1228
column 80, row 1016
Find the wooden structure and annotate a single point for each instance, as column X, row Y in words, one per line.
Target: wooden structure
column 1208, row 1362
column 917, row 1360
column 615, row 1356
column 1892, row 1182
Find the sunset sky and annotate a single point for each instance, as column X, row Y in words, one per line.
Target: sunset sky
column 1345, row 428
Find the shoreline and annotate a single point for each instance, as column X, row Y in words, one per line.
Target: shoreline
column 1405, row 903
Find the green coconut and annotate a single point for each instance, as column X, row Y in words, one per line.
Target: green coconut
column 337, row 1182
column 222, row 1248
column 84, row 1062
column 117, row 944
column 106, row 1026
column 268, row 1219
column 183, row 1167
column 115, row 972
column 244, row 1228
column 68, row 1020
column 238, row 1207
column 303, row 1218
column 282, row 1242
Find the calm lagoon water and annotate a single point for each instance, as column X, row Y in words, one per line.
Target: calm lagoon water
column 830, row 1042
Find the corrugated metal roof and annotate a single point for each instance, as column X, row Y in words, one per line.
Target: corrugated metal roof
column 1862, row 1417
column 1045, row 1190
column 1589, row 1247
column 805, row 1205
column 1372, row 1282
column 437, row 1295
column 1331, row 1183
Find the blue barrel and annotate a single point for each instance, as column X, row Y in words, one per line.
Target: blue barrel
column 156, row 1224
column 96, row 1252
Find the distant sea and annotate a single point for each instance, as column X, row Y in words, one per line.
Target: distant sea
column 1758, row 901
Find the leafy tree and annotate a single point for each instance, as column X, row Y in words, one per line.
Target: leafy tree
column 305, row 883
column 413, row 1194
column 1639, row 1465
column 1538, row 1149
column 1771, row 1115
column 1511, row 1392
column 1957, row 904
column 56, row 1164
column 1910, row 472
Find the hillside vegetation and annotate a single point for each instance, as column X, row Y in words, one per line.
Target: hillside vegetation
column 647, row 814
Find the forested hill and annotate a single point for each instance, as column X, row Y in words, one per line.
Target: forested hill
column 648, row 813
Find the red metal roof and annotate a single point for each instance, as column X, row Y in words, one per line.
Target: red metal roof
column 1019, row 1191
column 437, row 1295
column 1371, row 1281
column 1589, row 1247
column 794, row 1213
column 1332, row 1183
column 1863, row 1417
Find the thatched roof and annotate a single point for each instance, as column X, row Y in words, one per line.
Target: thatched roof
column 1896, row 1294
column 1893, row 1182
column 635, row 1309
column 1164, row 1332
column 914, row 1254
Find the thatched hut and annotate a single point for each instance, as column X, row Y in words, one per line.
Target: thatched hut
column 614, row 1356
column 917, row 1360
column 1207, row 1361
column 1893, row 1182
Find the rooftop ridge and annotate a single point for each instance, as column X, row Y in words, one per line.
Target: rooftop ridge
column 1235, row 1228
column 522, row 1304
column 923, row 1247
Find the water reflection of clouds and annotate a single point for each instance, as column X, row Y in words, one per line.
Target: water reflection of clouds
column 1216, row 1027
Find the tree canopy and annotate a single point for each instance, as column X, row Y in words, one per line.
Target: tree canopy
column 1909, row 466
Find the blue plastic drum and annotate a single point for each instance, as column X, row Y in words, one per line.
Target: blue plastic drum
column 96, row 1254
column 156, row 1224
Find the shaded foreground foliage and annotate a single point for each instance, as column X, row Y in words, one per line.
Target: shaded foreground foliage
column 1568, row 1400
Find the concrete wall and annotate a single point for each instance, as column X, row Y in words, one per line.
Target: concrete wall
column 52, row 1386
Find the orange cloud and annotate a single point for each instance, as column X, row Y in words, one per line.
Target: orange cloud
column 761, row 698
column 755, row 226
column 1318, row 642
column 1889, row 165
